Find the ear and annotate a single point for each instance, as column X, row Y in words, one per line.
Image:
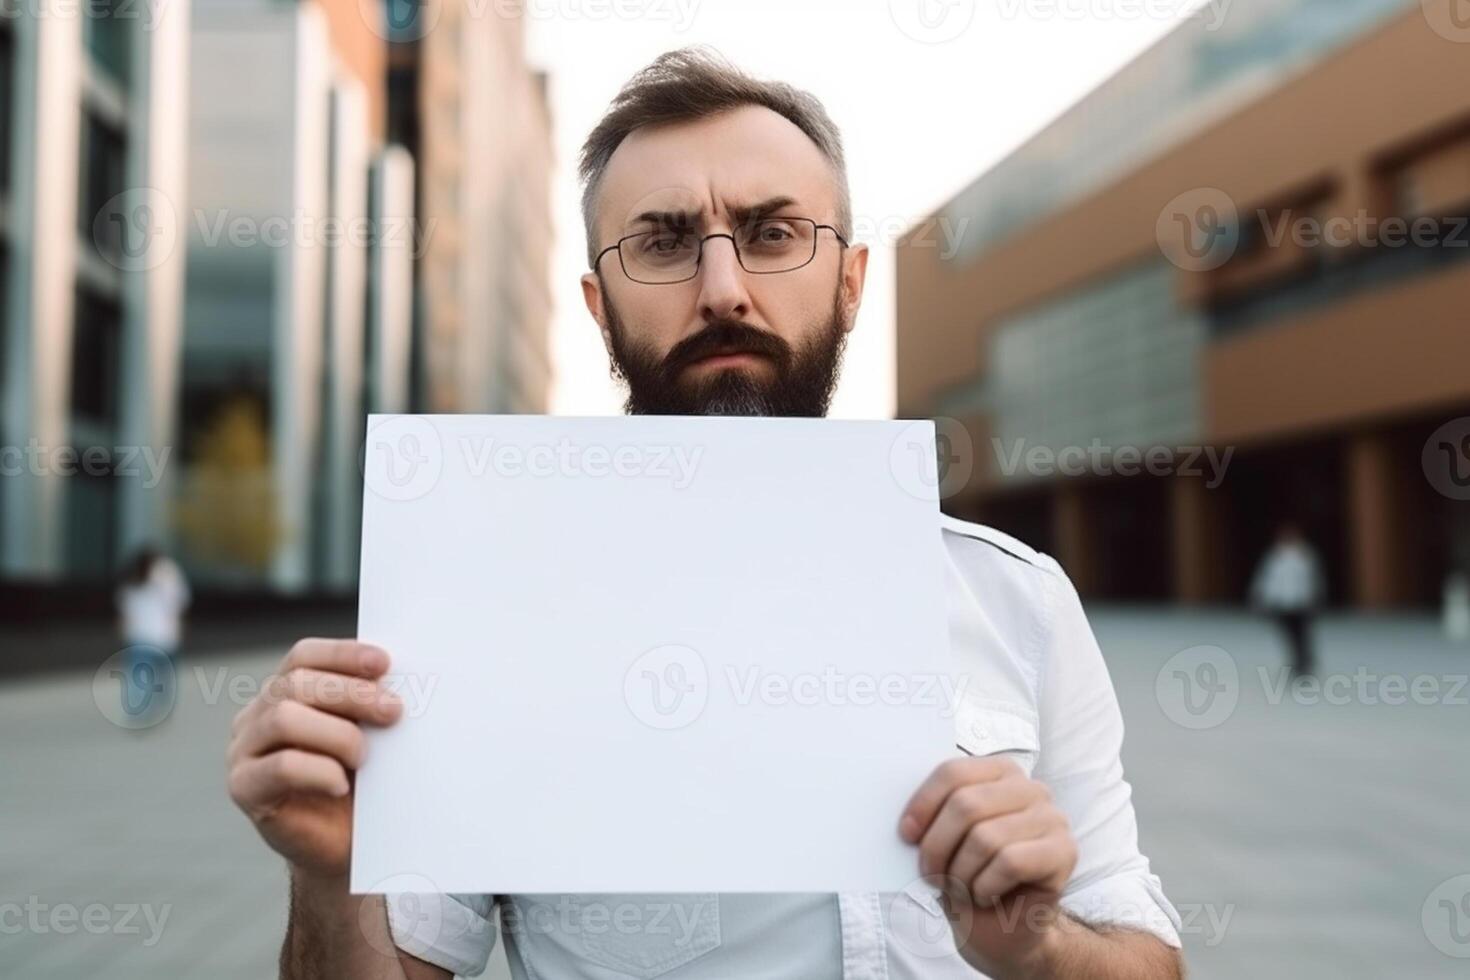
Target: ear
column 592, row 296
column 854, row 275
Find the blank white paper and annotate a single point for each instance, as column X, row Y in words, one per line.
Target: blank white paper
column 650, row 654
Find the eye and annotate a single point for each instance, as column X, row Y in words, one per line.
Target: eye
column 774, row 233
column 666, row 242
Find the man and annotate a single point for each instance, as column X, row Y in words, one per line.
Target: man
column 724, row 280
column 1288, row 586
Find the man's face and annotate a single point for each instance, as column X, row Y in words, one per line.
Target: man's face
column 727, row 341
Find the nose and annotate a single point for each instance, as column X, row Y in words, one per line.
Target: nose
column 722, row 292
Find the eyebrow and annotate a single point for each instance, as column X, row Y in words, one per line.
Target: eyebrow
column 740, row 213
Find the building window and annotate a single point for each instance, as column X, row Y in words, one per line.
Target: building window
column 103, row 176
column 96, row 359
column 110, row 36
column 7, row 88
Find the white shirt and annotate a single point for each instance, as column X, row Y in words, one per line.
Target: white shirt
column 1036, row 689
column 1289, row 579
column 151, row 611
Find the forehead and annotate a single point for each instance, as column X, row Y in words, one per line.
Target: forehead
column 739, row 157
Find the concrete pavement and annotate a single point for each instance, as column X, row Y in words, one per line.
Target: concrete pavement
column 1303, row 836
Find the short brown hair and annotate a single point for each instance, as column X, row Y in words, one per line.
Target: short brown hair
column 691, row 83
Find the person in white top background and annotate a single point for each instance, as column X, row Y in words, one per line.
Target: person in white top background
column 152, row 597
column 724, row 279
column 1288, row 585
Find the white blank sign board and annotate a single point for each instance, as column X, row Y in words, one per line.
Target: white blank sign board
column 650, row 654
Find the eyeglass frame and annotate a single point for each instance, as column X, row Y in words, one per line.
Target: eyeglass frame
column 699, row 258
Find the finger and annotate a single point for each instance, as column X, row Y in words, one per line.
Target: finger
column 291, row 724
column 350, row 697
column 963, row 809
column 1045, row 863
column 945, row 779
column 338, row 656
column 261, row 783
column 986, row 839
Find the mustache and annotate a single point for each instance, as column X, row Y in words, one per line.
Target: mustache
column 726, row 336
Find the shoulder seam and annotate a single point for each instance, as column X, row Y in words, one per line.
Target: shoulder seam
column 974, row 532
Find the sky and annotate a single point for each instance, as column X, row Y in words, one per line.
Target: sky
column 929, row 94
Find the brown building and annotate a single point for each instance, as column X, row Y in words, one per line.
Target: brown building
column 1250, row 243
column 478, row 121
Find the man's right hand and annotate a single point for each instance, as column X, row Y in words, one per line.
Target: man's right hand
column 296, row 746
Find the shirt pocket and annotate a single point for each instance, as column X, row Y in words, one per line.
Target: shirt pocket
column 989, row 726
column 647, row 935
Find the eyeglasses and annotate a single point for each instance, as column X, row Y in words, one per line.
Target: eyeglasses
column 763, row 247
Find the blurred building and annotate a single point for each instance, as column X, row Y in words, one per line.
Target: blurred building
column 478, row 122
column 92, row 152
column 1141, row 278
column 212, row 250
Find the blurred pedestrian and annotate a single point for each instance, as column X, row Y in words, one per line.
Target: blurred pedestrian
column 1288, row 586
column 152, row 597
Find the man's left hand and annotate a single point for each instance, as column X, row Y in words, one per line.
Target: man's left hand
column 1003, row 851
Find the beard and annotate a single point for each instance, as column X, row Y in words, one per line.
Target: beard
column 802, row 386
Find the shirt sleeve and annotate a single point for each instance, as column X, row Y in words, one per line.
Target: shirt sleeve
column 1081, row 745
column 454, row 932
